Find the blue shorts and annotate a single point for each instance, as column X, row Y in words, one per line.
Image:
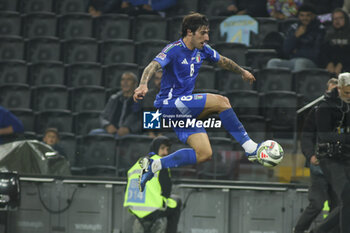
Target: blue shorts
column 183, row 107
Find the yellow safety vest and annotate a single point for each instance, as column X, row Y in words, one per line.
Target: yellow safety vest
column 144, row 203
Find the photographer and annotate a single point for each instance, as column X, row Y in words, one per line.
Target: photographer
column 333, row 151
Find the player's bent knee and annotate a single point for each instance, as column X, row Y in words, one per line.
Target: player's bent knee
column 204, row 155
column 224, row 102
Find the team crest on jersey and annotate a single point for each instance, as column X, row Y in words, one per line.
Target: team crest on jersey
column 161, row 56
column 198, row 57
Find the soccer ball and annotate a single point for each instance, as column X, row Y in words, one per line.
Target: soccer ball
column 270, row 153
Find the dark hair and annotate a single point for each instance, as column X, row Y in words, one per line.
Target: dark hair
column 52, row 130
column 307, row 8
column 193, row 21
column 158, row 141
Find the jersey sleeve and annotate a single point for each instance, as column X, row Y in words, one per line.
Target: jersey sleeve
column 165, row 56
column 211, row 54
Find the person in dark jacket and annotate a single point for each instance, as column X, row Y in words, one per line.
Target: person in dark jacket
column 320, row 189
column 302, row 44
column 10, row 126
column 170, row 207
column 333, row 134
column 336, row 48
column 121, row 115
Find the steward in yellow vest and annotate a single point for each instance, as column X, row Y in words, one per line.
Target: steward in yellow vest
column 155, row 201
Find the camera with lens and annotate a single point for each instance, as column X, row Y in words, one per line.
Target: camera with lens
column 329, row 150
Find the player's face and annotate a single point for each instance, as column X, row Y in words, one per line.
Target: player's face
column 200, row 37
column 344, row 93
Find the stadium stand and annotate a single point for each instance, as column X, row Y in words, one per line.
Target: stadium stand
column 113, row 73
column 112, row 26
column 11, row 48
column 46, row 73
column 10, row 23
column 80, row 50
column 13, row 71
column 43, row 49
column 149, row 27
column 88, row 98
column 50, row 97
column 84, row 74
column 62, row 120
column 15, row 96
column 30, row 6
column 39, row 24
column 277, row 79
column 244, row 102
column 85, row 121
column 117, row 51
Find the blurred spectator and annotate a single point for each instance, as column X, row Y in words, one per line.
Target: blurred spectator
column 324, row 6
column 336, row 48
column 121, row 114
column 148, row 101
column 51, row 138
column 254, row 8
column 302, row 44
column 151, row 94
column 138, row 7
column 282, row 9
column 10, row 126
column 98, row 7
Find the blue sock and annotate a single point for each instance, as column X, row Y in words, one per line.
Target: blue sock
column 233, row 125
column 179, row 158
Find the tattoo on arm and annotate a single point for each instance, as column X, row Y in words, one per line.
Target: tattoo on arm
column 149, row 72
column 228, row 64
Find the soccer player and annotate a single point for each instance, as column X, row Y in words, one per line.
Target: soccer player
column 180, row 62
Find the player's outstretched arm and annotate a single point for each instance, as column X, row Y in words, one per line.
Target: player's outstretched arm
column 147, row 74
column 228, row 64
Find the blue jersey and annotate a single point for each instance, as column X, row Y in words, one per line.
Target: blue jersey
column 180, row 68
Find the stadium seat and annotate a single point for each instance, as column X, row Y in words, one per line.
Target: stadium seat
column 60, row 119
column 280, row 112
column 86, row 121
column 8, row 5
column 30, row 6
column 265, row 26
column 15, row 96
column 88, row 98
column 46, row 73
column 276, row 79
column 222, row 163
column 10, row 23
column 27, row 117
column 230, row 81
column 212, row 8
column 214, row 33
column 205, row 78
column 244, row 102
column 70, row 6
column 50, row 97
column 113, row 73
column 84, row 74
column 284, row 25
column 146, row 51
column 13, row 71
column 39, row 25
column 257, row 58
column 255, row 126
column 234, row 51
column 183, row 7
column 43, row 49
column 149, row 27
column 80, row 50
column 117, row 51
column 68, row 143
column 97, row 154
column 174, row 28
column 11, row 48
column 132, row 147
column 112, row 26
column 311, row 83
column 75, row 25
